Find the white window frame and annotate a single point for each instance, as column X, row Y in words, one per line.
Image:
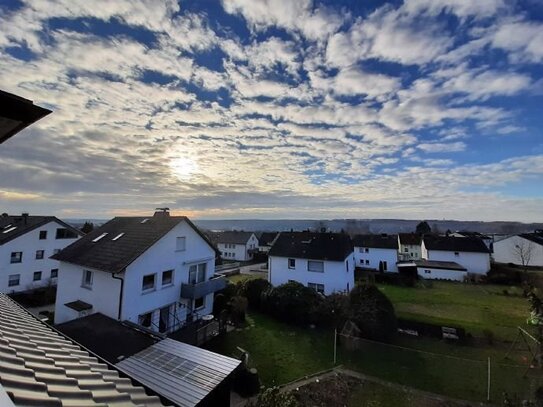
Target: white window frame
column 314, row 262
column 84, row 283
column 203, row 303
column 20, row 258
column 162, row 278
column 317, row 287
column 141, row 316
column 51, row 273
column 197, row 270
column 11, row 278
column 293, row 267
column 34, row 276
column 149, row 289
column 42, row 253
column 181, row 247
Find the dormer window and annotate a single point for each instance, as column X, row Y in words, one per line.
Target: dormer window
column 118, row 236
column 96, row 239
column 11, row 229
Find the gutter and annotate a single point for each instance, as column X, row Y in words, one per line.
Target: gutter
column 120, row 295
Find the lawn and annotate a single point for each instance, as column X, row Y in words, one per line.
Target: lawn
column 244, row 277
column 473, row 307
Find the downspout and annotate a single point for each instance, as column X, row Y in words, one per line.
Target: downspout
column 120, row 295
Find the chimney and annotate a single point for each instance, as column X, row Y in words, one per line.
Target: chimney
column 25, row 217
column 161, row 212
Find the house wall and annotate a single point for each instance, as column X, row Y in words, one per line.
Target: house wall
column 338, row 276
column 374, row 256
column 29, row 243
column 504, row 251
column 241, row 251
column 476, row 263
column 103, row 295
column 407, row 252
column 429, row 273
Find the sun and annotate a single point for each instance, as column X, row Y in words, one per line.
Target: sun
column 183, row 167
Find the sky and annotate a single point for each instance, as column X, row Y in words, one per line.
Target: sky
column 243, row 109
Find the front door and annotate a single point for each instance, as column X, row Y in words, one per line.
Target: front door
column 164, row 322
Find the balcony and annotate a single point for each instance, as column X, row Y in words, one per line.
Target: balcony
column 198, row 290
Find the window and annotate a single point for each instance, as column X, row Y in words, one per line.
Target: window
column 37, row 276
column 118, row 236
column 367, row 250
column 43, row 234
column 367, row 262
column 63, row 233
column 427, row 271
column 197, row 273
column 456, row 254
column 406, row 250
column 167, row 277
column 347, row 266
column 291, row 263
column 13, row 280
column 199, row 303
column 54, row 273
column 316, row 266
column 317, row 287
column 148, row 282
column 87, row 279
column 385, row 266
column 16, row 257
column 180, row 244
column 96, row 239
column 361, row 249
column 39, row 254
column 145, row 319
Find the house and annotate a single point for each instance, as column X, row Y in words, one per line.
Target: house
column 376, row 252
column 266, row 241
column 525, row 249
column 26, row 244
column 487, row 240
column 41, row 367
column 409, row 246
column 470, row 253
column 155, row 271
column 322, row 261
column 434, row 270
column 235, row 245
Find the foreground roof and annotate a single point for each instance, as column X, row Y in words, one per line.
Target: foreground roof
column 311, row 245
column 11, row 227
column 455, row 244
column 17, row 113
column 376, row 241
column 533, row 237
column 124, row 240
column 43, row 368
column 234, row 237
column 179, row 372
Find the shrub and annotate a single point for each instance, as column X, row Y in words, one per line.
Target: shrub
column 333, row 310
column 253, row 289
column 372, row 312
column 238, row 308
column 220, row 303
column 489, row 336
column 292, row 302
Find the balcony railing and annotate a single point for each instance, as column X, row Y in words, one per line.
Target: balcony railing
column 198, row 290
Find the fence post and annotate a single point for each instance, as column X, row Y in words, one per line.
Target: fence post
column 488, row 383
column 335, row 345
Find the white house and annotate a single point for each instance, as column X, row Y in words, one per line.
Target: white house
column 409, row 246
column 155, row 271
column 434, row 270
column 235, row 245
column 266, row 241
column 322, row 261
column 487, row 240
column 26, row 244
column 470, row 253
column 376, row 252
column 525, row 248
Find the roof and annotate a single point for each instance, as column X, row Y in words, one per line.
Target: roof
column 267, row 238
column 455, row 244
column 78, row 305
column 11, row 227
column 124, row 240
column 42, row 367
column 467, row 233
column 311, row 245
column 533, row 237
column 376, row 241
column 446, row 265
column 409, row 238
column 182, row 373
column 17, row 113
column 234, row 236
column 110, row 339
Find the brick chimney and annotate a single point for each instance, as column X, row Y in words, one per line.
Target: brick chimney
column 161, row 212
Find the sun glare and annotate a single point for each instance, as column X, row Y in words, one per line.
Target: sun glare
column 183, row 167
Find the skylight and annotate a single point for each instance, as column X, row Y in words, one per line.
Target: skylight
column 99, row 237
column 7, row 226
column 118, row 236
column 10, row 229
column 144, row 220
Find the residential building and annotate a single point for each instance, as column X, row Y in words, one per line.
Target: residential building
column 26, row 245
column 322, row 261
column 155, row 271
column 235, row 245
column 487, row 240
column 409, row 246
column 434, row 270
column 470, row 253
column 266, row 241
column 522, row 249
column 376, row 252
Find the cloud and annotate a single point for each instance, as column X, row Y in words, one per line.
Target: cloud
column 442, row 147
column 522, row 39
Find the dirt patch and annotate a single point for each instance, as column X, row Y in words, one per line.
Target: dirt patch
column 331, row 391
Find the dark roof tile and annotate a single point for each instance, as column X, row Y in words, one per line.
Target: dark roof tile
column 376, row 241
column 310, row 245
column 455, row 244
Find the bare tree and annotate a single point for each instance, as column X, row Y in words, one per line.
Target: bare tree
column 522, row 251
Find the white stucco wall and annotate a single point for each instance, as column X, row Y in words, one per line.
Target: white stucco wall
column 374, row 256
column 408, row 252
column 476, row 263
column 338, row 276
column 504, row 251
column 441, row 274
column 29, row 243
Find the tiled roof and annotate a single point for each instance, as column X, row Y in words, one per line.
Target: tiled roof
column 267, row 238
column 234, row 237
column 533, row 237
column 127, row 238
column 12, row 227
column 409, row 238
column 376, row 241
column 40, row 367
column 455, row 244
column 434, row 264
column 310, row 245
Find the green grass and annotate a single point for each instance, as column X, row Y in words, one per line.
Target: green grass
column 243, row 277
column 370, row 394
column 473, row 307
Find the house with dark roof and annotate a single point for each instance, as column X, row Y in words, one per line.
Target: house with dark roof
column 524, row 248
column 409, row 246
column 235, row 245
column 488, row 240
column 26, row 244
column 156, row 271
column 266, row 241
column 434, row 270
column 470, row 253
column 322, row 261
column 376, row 252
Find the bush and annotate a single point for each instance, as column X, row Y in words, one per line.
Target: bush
column 333, row 310
column 373, row 313
column 238, row 308
column 253, row 290
column 400, row 279
column 489, row 336
column 292, row 302
column 220, row 303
